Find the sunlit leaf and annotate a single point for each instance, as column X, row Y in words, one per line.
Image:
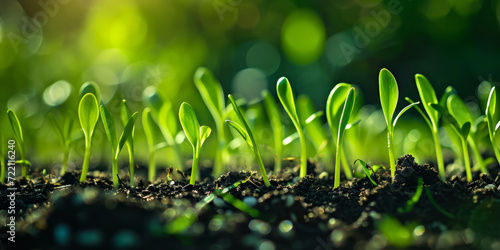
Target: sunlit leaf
column 127, row 132
column 88, row 113
column 428, row 97
column 388, row 94
column 189, row 123
column 109, row 127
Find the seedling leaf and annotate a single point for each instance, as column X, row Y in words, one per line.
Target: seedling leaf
column 127, row 132
column 211, row 91
column 459, row 110
column 16, row 126
column 367, row 172
column 204, row 133
column 92, row 88
column 285, row 95
column 334, row 106
column 388, row 94
column 109, row 127
column 314, row 117
column 464, row 131
column 241, row 131
column 189, row 123
column 352, row 124
column 402, row 112
column 428, row 97
column 88, row 113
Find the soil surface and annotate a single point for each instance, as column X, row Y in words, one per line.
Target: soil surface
column 237, row 211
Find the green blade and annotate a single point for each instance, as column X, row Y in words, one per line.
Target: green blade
column 459, row 110
column 189, row 123
column 167, row 122
column 204, row 133
column 241, row 131
column 346, row 113
column 428, row 97
column 127, row 132
column 211, row 91
column 335, row 105
column 388, row 94
column 490, row 110
column 402, row 112
column 285, row 95
column 109, row 127
column 149, row 124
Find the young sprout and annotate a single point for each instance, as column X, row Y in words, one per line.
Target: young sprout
column 125, row 114
column 64, row 135
column 285, row 95
column 116, row 145
column 428, row 98
column 88, row 114
column 276, row 125
column 334, row 108
column 490, row 119
column 18, row 134
column 195, row 134
column 213, row 96
column 462, row 126
column 246, row 133
column 389, row 99
column 149, row 124
column 344, row 119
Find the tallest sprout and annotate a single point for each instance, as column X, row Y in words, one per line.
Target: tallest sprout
column 285, row 95
column 389, row 99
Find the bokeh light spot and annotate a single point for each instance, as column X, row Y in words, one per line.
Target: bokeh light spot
column 264, row 57
column 249, row 83
column 57, row 93
column 303, row 36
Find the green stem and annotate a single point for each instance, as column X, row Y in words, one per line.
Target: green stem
column 466, row 160
column 114, row 164
column 152, row 165
column 262, row 168
column 336, row 181
column 477, row 155
column 194, row 168
column 64, row 167
column 439, row 154
column 345, row 164
column 392, row 159
column 86, row 162
column 303, row 153
column 495, row 148
column 131, row 161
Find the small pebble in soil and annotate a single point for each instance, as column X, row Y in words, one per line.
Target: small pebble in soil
column 250, row 201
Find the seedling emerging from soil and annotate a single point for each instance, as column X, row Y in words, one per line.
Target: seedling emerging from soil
column 285, row 95
column 116, row 145
column 428, row 97
column 344, row 119
column 195, row 134
column 389, row 99
column 246, row 133
column 88, row 114
column 125, row 115
column 274, row 115
column 490, row 119
column 463, row 117
column 367, row 171
column 18, row 133
column 213, row 96
column 64, row 135
column 334, row 108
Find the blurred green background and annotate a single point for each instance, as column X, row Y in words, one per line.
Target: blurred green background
column 48, row 48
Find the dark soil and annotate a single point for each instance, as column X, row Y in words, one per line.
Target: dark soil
column 292, row 213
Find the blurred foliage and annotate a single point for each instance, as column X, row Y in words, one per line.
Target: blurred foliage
column 49, row 48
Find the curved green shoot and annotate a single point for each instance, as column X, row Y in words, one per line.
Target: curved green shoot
column 213, row 96
column 149, row 124
column 367, row 171
column 18, row 134
column 490, row 119
column 195, row 134
column 92, row 88
column 388, row 99
column 462, row 126
column 115, row 143
column 64, row 135
column 285, row 95
column 125, row 115
column 344, row 119
column 167, row 122
column 334, row 107
column 246, row 133
column 88, row 114
column 415, row 197
column 274, row 115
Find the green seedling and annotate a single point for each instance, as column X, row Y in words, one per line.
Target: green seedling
column 344, row 119
column 274, row 115
column 167, row 122
column 149, row 125
column 116, row 144
column 195, row 134
column 213, row 96
column 3, row 152
column 92, row 88
column 246, row 133
column 490, row 119
column 125, row 116
column 367, row 171
column 389, row 99
column 334, row 108
column 439, row 208
column 428, row 97
column 18, row 134
column 285, row 95
column 64, row 135
column 88, row 114
column 462, row 127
